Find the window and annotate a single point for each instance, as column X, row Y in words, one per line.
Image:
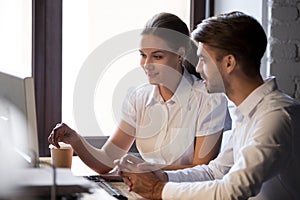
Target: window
column 15, row 37
column 96, row 76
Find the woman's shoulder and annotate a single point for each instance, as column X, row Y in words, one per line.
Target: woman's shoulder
column 142, row 89
column 139, row 91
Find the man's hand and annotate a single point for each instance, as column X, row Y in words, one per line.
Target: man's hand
column 146, row 179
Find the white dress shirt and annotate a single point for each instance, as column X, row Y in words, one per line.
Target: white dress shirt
column 166, row 131
column 261, row 159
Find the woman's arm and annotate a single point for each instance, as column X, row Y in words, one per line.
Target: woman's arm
column 206, row 149
column 100, row 160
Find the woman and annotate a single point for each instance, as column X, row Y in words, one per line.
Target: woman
column 171, row 118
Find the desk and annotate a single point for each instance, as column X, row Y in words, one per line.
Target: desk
column 80, row 169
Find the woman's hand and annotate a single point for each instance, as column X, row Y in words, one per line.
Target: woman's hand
column 62, row 133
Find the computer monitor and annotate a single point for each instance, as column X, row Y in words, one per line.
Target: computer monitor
column 18, row 113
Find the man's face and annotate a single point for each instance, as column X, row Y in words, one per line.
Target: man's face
column 209, row 69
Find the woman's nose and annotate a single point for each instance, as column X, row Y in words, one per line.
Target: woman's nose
column 148, row 64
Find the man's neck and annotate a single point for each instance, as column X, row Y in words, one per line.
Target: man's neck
column 241, row 87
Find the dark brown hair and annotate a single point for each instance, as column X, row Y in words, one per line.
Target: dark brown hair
column 234, row 33
column 175, row 32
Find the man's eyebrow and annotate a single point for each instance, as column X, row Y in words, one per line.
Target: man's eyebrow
column 201, row 55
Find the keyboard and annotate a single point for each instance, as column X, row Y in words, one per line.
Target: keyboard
column 110, row 189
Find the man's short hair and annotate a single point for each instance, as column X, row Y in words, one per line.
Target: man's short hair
column 234, row 33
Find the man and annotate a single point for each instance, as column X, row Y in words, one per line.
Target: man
column 261, row 159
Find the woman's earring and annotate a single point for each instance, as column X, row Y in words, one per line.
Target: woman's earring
column 180, row 60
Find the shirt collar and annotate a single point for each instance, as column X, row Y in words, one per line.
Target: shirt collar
column 247, row 107
column 154, row 96
column 181, row 94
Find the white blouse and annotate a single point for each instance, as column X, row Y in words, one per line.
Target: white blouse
column 166, row 131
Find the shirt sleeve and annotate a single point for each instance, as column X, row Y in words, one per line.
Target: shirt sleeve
column 129, row 112
column 213, row 115
column 271, row 139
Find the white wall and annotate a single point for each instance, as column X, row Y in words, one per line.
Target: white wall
column 251, row 7
column 284, row 45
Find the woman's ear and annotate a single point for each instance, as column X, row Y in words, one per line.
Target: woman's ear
column 181, row 52
column 180, row 55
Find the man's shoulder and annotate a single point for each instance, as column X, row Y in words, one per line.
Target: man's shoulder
column 277, row 100
column 280, row 100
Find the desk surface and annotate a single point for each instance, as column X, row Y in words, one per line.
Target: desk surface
column 80, row 169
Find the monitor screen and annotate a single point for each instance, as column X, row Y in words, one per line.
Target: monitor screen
column 18, row 113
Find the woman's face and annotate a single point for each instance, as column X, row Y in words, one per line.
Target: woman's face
column 159, row 62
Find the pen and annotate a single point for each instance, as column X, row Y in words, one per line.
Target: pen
column 129, row 161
